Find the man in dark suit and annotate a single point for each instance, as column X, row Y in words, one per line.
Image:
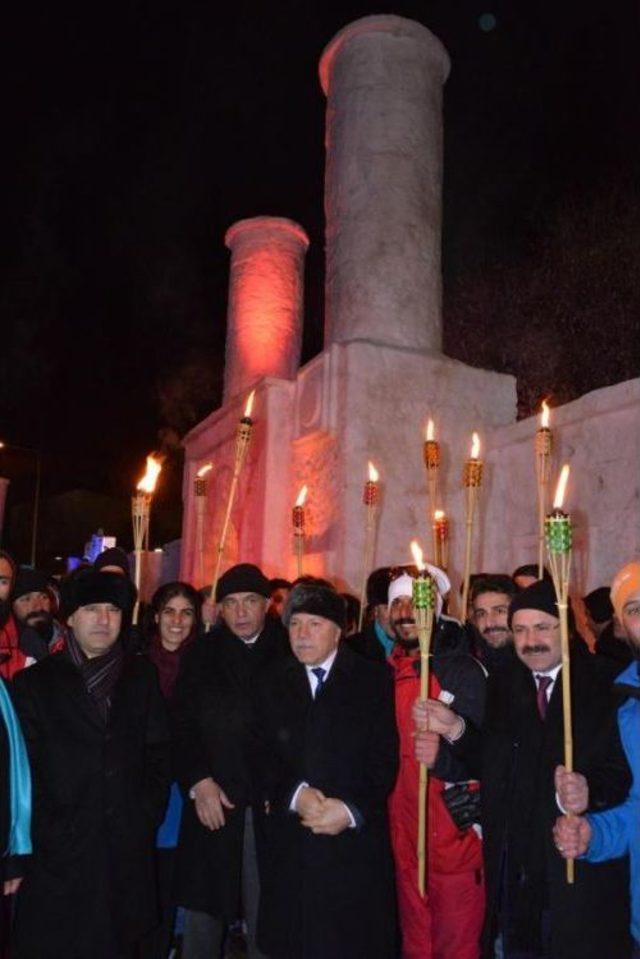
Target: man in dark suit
column 221, row 824
column 518, row 758
column 98, row 742
column 329, row 758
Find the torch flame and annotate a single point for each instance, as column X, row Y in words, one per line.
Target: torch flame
column 148, row 482
column 475, row 447
column 374, row 476
column 561, row 487
column 438, row 515
column 249, row 405
column 204, row 470
column 430, row 432
column 417, row 554
column 544, row 417
column 302, row 495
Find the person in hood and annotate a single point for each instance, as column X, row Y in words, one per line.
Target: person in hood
column 33, row 630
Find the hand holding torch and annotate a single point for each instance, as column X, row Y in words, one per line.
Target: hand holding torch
column 559, row 535
column 424, row 601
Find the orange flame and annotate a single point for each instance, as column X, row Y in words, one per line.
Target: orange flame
column 544, row 416
column 561, row 488
column 475, row 447
column 249, row 405
column 439, row 515
column 374, row 476
column 430, row 431
column 302, row 496
column 204, row 470
column 148, row 482
column 417, row 554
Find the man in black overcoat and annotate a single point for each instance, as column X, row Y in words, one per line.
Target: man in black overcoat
column 518, row 757
column 329, row 759
column 222, row 819
column 98, row 741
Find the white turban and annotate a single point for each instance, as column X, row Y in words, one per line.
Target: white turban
column 403, row 586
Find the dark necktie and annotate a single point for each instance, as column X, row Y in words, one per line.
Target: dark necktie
column 541, row 697
column 319, row 673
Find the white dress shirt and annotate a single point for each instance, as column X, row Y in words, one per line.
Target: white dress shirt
column 326, row 665
column 313, row 685
column 553, row 675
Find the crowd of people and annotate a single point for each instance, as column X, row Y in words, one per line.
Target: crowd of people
column 250, row 766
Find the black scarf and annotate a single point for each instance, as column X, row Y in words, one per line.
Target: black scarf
column 99, row 674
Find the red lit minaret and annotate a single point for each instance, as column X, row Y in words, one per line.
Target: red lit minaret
column 266, row 294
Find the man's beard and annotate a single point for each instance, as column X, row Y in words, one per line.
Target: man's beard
column 408, row 643
column 42, row 622
column 499, row 633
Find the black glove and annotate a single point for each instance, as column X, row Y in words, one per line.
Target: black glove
column 463, row 804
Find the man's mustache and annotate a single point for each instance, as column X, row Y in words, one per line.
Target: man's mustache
column 490, row 630
column 538, row 648
column 36, row 615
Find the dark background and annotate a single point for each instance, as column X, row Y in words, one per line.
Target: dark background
column 135, row 134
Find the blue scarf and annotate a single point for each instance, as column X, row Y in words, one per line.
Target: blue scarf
column 385, row 641
column 19, row 780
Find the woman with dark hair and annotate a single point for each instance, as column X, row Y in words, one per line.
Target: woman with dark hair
column 173, row 625
column 175, row 618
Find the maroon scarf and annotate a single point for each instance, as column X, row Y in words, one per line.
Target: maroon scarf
column 167, row 662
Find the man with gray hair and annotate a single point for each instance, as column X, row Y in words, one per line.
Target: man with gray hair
column 329, row 755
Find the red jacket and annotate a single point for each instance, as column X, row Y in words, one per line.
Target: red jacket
column 449, row 850
column 12, row 657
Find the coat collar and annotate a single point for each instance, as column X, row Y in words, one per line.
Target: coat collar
column 342, row 667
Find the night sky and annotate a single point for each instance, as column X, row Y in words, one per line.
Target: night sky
column 135, row 134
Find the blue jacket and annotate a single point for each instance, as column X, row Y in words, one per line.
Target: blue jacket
column 616, row 832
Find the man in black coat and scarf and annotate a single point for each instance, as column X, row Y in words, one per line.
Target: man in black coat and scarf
column 329, row 758
column 221, row 828
column 518, row 757
column 98, row 742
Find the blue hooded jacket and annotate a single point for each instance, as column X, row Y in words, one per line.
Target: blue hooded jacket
column 616, row 832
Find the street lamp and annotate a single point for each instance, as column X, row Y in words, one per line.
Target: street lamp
column 36, row 495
